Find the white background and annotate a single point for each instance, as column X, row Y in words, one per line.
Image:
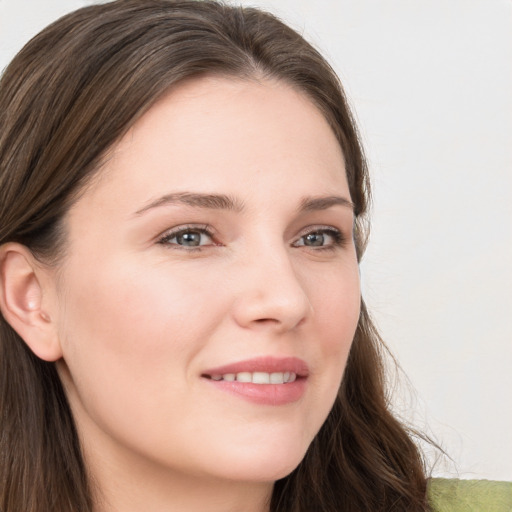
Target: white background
column 431, row 84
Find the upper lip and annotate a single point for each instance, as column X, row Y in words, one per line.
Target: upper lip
column 267, row 364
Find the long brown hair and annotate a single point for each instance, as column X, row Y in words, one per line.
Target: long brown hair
column 71, row 93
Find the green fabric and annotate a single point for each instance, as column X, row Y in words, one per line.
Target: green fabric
column 447, row 495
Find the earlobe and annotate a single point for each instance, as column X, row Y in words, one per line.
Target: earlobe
column 22, row 301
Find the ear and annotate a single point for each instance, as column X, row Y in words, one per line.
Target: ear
column 24, row 301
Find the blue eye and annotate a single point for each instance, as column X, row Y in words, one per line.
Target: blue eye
column 320, row 238
column 188, row 237
column 315, row 239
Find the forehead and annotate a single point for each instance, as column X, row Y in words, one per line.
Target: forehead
column 229, row 133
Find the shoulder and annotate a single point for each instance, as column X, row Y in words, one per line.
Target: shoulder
column 451, row 495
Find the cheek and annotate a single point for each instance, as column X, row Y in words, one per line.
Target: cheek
column 124, row 327
column 122, row 304
column 336, row 302
column 130, row 339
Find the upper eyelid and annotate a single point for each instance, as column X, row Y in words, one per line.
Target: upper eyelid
column 173, row 232
column 209, row 231
column 318, row 227
column 188, row 227
column 340, row 238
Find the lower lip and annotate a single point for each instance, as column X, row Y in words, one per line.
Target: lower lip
column 264, row 394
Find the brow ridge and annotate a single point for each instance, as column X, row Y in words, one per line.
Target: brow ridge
column 324, row 202
column 207, row 201
column 225, row 202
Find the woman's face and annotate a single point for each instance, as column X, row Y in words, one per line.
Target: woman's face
column 214, row 248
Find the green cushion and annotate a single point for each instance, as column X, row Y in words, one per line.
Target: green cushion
column 449, row 495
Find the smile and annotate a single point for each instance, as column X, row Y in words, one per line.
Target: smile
column 258, row 377
column 263, row 380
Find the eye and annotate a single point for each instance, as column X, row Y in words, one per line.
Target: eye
column 322, row 238
column 188, row 237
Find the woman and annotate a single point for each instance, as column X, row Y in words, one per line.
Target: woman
column 182, row 216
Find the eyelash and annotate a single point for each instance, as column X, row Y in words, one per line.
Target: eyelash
column 338, row 237
column 202, row 230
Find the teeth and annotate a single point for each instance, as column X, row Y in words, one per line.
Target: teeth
column 278, row 378
column 258, row 377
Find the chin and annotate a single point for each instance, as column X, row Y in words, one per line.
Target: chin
column 261, row 463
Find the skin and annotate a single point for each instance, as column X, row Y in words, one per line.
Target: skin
column 139, row 317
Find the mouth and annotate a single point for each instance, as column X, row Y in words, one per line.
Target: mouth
column 256, row 377
column 264, row 380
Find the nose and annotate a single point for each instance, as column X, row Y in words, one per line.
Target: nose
column 269, row 293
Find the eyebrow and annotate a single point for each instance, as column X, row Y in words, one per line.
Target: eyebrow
column 225, row 202
column 323, row 203
column 208, row 201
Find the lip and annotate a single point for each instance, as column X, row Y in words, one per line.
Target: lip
column 263, row 364
column 263, row 394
